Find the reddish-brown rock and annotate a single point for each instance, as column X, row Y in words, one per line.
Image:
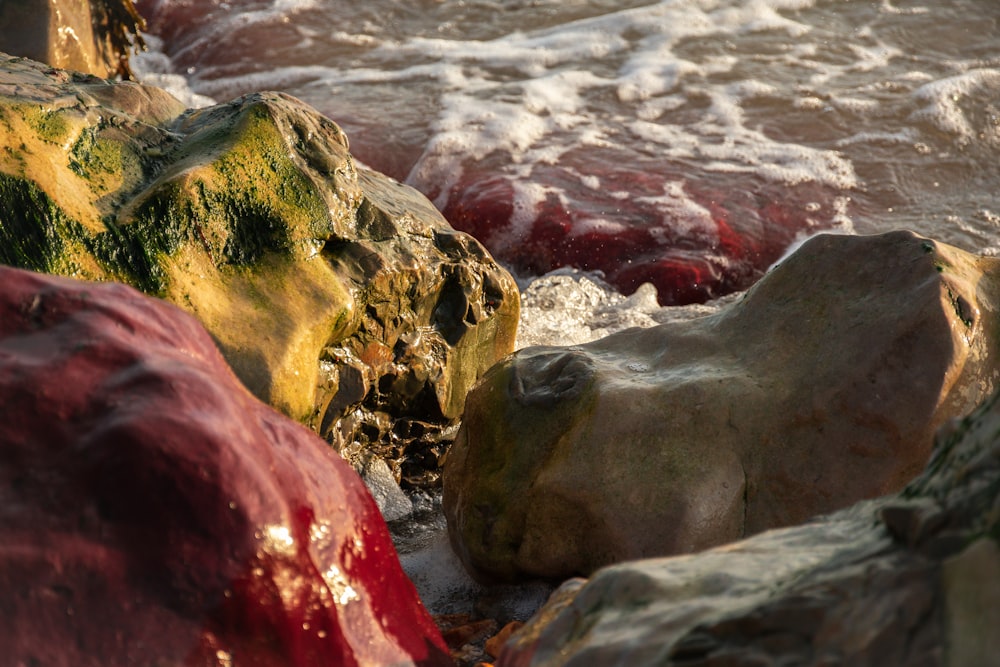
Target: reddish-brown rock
column 154, row 512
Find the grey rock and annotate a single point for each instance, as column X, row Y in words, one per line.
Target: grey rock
column 911, row 578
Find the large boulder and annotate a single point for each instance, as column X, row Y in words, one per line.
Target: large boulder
column 823, row 385
column 332, row 291
column 908, row 579
column 154, row 512
column 94, row 36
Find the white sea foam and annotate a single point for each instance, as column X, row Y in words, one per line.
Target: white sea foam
column 942, row 100
column 679, row 212
column 702, row 82
column 154, row 68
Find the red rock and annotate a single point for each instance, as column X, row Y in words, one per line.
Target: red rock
column 154, row 512
column 691, row 256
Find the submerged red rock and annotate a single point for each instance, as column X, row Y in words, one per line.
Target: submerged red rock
column 154, row 512
column 694, row 236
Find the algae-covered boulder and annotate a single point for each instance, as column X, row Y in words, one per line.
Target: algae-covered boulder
column 332, row 291
column 908, row 579
column 823, row 385
column 155, row 513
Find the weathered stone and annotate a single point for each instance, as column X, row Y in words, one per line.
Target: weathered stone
column 331, row 290
column 822, row 386
column 908, row 579
column 155, row 513
column 94, row 37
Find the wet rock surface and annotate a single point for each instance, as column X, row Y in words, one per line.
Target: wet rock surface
column 336, row 294
column 823, row 385
column 154, row 512
column 93, row 37
column 722, row 244
column 908, row 579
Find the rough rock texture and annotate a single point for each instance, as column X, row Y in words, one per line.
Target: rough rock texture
column 156, row 513
column 911, row 579
column 331, row 290
column 822, row 386
column 94, row 36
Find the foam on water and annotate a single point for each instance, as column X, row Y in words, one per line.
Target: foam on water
column 851, row 96
column 154, row 68
column 941, row 101
column 523, row 88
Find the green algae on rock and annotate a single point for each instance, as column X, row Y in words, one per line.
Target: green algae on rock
column 823, row 385
column 338, row 295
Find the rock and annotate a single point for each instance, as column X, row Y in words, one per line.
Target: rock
column 93, row 37
column 154, row 512
column 331, row 290
column 822, row 386
column 908, row 579
column 649, row 221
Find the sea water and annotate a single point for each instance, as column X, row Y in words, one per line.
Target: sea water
column 684, row 143
column 673, row 148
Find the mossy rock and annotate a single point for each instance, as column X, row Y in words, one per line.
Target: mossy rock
column 253, row 216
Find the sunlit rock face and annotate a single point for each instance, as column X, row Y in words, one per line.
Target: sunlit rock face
column 93, row 37
column 823, row 385
column 908, row 579
column 154, row 512
column 332, row 291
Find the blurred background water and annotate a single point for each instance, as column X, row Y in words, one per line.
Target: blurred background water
column 686, row 143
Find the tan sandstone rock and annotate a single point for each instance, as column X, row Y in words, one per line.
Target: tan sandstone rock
column 823, row 385
column 332, row 291
column 90, row 36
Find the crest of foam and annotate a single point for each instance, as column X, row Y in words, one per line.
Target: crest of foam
column 941, row 100
column 705, row 83
column 154, row 68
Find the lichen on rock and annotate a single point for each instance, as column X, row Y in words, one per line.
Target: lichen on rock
column 338, row 295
